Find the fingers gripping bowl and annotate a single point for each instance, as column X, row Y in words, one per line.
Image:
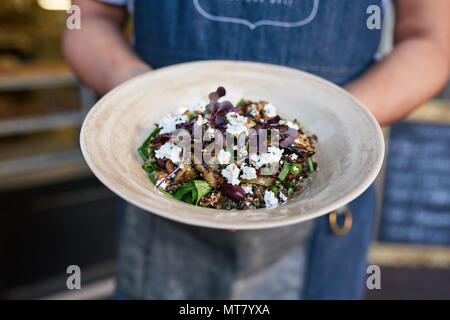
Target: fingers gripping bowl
column 349, row 152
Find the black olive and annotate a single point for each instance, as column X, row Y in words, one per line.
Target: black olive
column 235, row 193
column 274, row 120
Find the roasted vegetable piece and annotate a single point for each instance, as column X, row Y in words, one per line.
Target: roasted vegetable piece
column 208, row 175
column 169, row 166
column 303, row 142
column 185, row 174
column 261, row 180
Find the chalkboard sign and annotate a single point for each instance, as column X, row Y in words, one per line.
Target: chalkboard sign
column 416, row 199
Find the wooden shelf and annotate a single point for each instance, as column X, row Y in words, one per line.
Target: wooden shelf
column 39, row 162
column 36, row 76
column 33, row 124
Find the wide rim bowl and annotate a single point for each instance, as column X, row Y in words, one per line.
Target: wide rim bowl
column 349, row 152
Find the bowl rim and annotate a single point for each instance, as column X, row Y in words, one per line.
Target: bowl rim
column 245, row 225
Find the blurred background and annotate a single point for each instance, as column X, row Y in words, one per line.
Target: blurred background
column 55, row 213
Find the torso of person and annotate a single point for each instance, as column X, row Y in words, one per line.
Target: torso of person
column 163, row 259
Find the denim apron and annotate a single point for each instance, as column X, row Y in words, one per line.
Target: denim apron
column 163, row 259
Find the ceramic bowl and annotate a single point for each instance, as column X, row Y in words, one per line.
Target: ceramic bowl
column 349, row 151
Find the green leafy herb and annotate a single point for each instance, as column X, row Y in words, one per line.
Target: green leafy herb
column 255, row 203
column 269, row 169
column 274, row 190
column 187, row 192
column 240, row 103
column 203, row 188
column 150, row 166
column 295, row 168
column 310, row 165
column 165, row 192
column 288, row 184
column 152, row 177
column 192, row 191
column 143, row 148
column 282, row 175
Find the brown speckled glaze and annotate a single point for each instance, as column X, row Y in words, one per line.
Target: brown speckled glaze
column 349, row 152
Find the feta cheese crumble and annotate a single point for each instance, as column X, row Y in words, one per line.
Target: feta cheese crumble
column 200, row 120
column 247, row 189
column 236, row 124
column 254, row 111
column 270, row 110
column 200, row 107
column 210, row 133
column 270, row 200
column 273, row 155
column 293, row 156
column 161, row 185
column 241, row 151
column 283, row 197
column 223, row 157
column 248, row 173
column 169, row 124
column 231, row 173
column 169, row 151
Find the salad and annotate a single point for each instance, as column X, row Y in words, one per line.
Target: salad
column 226, row 156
